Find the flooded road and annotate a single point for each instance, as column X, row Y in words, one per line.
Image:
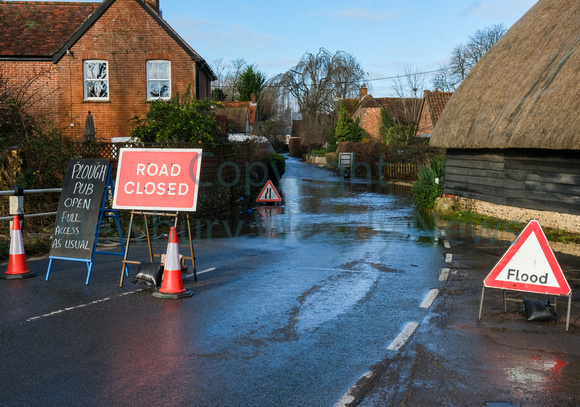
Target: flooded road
column 292, row 311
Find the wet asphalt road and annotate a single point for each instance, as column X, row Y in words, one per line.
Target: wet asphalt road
column 293, row 305
column 501, row 361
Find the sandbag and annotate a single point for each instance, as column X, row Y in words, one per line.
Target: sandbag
column 539, row 311
column 149, row 273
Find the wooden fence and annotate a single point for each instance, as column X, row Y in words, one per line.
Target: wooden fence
column 407, row 171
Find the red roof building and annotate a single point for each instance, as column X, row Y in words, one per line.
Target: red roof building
column 368, row 109
column 110, row 58
column 431, row 109
column 241, row 116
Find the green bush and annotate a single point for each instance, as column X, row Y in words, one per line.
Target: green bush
column 279, row 162
column 425, row 190
column 172, row 120
column 346, row 129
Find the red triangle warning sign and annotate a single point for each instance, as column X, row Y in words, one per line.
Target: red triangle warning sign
column 269, row 193
column 529, row 265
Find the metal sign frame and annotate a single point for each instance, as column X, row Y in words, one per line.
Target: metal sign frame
column 151, row 255
column 532, row 229
column 103, row 213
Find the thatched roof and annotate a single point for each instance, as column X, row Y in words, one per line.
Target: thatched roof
column 525, row 92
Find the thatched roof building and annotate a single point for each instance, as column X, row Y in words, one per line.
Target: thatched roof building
column 511, row 129
column 524, row 93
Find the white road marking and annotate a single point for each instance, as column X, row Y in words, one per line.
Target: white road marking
column 444, row 274
column 448, row 258
column 404, row 336
column 79, row 306
column 446, row 244
column 349, row 397
column 206, row 270
column 428, row 301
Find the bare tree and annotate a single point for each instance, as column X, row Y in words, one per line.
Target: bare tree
column 316, row 83
column 228, row 75
column 408, row 87
column 444, row 80
column 320, row 79
column 464, row 57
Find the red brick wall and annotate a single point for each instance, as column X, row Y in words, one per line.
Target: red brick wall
column 126, row 36
column 425, row 124
column 42, row 90
column 370, row 120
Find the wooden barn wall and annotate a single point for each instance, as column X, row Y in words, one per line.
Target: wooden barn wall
column 547, row 180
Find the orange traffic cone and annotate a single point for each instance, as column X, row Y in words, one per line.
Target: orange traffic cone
column 17, row 267
column 172, row 284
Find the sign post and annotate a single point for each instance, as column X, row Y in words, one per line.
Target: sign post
column 157, row 182
column 529, row 265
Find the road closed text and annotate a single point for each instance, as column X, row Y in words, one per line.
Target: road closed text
column 153, row 170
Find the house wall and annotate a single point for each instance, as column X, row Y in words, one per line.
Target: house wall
column 545, row 180
column 203, row 85
column 126, row 36
column 425, row 125
column 41, row 78
column 370, row 120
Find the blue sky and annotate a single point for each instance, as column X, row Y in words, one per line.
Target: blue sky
column 384, row 35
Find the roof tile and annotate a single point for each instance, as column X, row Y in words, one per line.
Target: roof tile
column 39, row 29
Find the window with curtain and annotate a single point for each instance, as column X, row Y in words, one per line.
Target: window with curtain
column 96, row 77
column 158, row 80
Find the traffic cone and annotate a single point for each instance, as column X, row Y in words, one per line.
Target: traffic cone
column 172, row 284
column 17, row 267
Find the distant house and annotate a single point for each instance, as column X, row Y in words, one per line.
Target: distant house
column 431, row 109
column 368, row 109
column 241, row 116
column 111, row 58
column 513, row 145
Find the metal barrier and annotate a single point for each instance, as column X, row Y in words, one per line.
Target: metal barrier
column 17, row 201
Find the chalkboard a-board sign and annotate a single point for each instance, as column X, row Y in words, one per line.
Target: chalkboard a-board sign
column 78, row 209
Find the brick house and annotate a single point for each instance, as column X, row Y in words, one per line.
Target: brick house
column 368, row 109
column 241, row 116
column 110, row 58
column 431, row 109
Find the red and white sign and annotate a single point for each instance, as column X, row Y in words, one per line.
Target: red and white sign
column 157, row 179
column 529, row 265
column 269, row 193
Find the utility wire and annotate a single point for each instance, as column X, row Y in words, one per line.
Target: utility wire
column 367, row 80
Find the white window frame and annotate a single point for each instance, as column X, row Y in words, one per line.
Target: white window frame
column 158, row 79
column 87, row 80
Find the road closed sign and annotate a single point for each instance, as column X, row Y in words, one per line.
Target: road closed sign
column 529, row 265
column 157, row 179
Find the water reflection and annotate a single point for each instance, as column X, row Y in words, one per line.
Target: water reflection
column 317, row 203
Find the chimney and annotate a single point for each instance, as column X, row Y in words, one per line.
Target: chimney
column 362, row 92
column 154, row 4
